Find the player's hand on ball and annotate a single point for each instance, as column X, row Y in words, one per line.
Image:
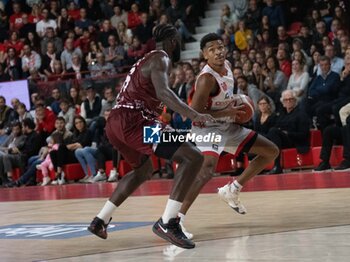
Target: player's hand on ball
column 237, row 111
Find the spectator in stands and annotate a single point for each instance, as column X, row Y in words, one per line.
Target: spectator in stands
column 325, row 110
column 335, row 26
column 75, row 99
column 26, row 27
column 101, row 68
column 16, row 17
column 4, row 76
column 91, row 106
column 335, row 134
column 179, row 86
column 44, row 23
column 316, row 55
column 275, row 14
column 67, row 112
column 49, row 58
column 323, row 89
column 54, row 11
column 337, row 63
column 297, row 45
column 264, row 118
column 156, row 10
column 53, row 102
column 252, row 17
column 31, row 60
column 51, row 37
column 251, row 91
column 243, row 37
column 134, row 17
column 284, row 62
column 119, row 15
column 35, row 15
column 93, row 10
column 15, row 43
column 321, row 31
column 228, row 18
column 67, row 54
column 91, row 56
column 6, row 117
column 124, row 34
column 291, row 128
column 13, row 64
column 144, row 30
column 33, row 41
column 78, row 69
column 298, row 81
column 64, row 22
column 23, row 113
column 29, row 176
column 44, row 120
column 136, row 51
column 275, row 80
column 4, row 25
column 257, row 78
column 65, row 154
column 108, row 102
column 306, row 38
column 105, row 32
column 16, row 157
column 115, row 53
column 15, row 139
column 178, row 16
column 190, row 78
column 83, row 22
column 46, row 166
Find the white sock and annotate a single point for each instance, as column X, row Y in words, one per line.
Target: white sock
column 235, row 186
column 171, row 210
column 182, row 217
column 107, row 211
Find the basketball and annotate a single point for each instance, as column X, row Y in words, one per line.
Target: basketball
column 248, row 108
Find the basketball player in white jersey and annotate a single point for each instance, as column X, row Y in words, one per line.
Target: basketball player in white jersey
column 215, row 94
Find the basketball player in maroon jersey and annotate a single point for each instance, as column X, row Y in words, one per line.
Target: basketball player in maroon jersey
column 215, row 94
column 139, row 104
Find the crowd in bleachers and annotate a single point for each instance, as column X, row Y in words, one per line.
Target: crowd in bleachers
column 273, row 46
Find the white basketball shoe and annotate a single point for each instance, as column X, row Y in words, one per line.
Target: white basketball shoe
column 231, row 198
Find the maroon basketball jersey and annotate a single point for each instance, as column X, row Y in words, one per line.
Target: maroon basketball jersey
column 138, row 91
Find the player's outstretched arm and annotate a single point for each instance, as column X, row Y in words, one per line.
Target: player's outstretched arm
column 159, row 75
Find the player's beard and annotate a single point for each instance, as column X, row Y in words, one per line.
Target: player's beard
column 176, row 53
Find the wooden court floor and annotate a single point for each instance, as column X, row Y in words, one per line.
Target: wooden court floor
column 210, row 220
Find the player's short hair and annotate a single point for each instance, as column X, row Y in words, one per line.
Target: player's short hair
column 164, row 31
column 208, row 38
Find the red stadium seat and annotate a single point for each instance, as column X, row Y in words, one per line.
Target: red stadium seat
column 73, row 171
column 16, row 173
column 315, row 138
column 336, row 155
column 226, row 163
column 124, row 168
column 292, row 159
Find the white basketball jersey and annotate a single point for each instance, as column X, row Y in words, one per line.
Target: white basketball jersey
column 226, row 93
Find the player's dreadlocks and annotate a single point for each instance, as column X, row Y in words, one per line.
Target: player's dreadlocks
column 161, row 32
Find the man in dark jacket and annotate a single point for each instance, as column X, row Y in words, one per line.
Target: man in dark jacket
column 291, row 128
column 17, row 156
